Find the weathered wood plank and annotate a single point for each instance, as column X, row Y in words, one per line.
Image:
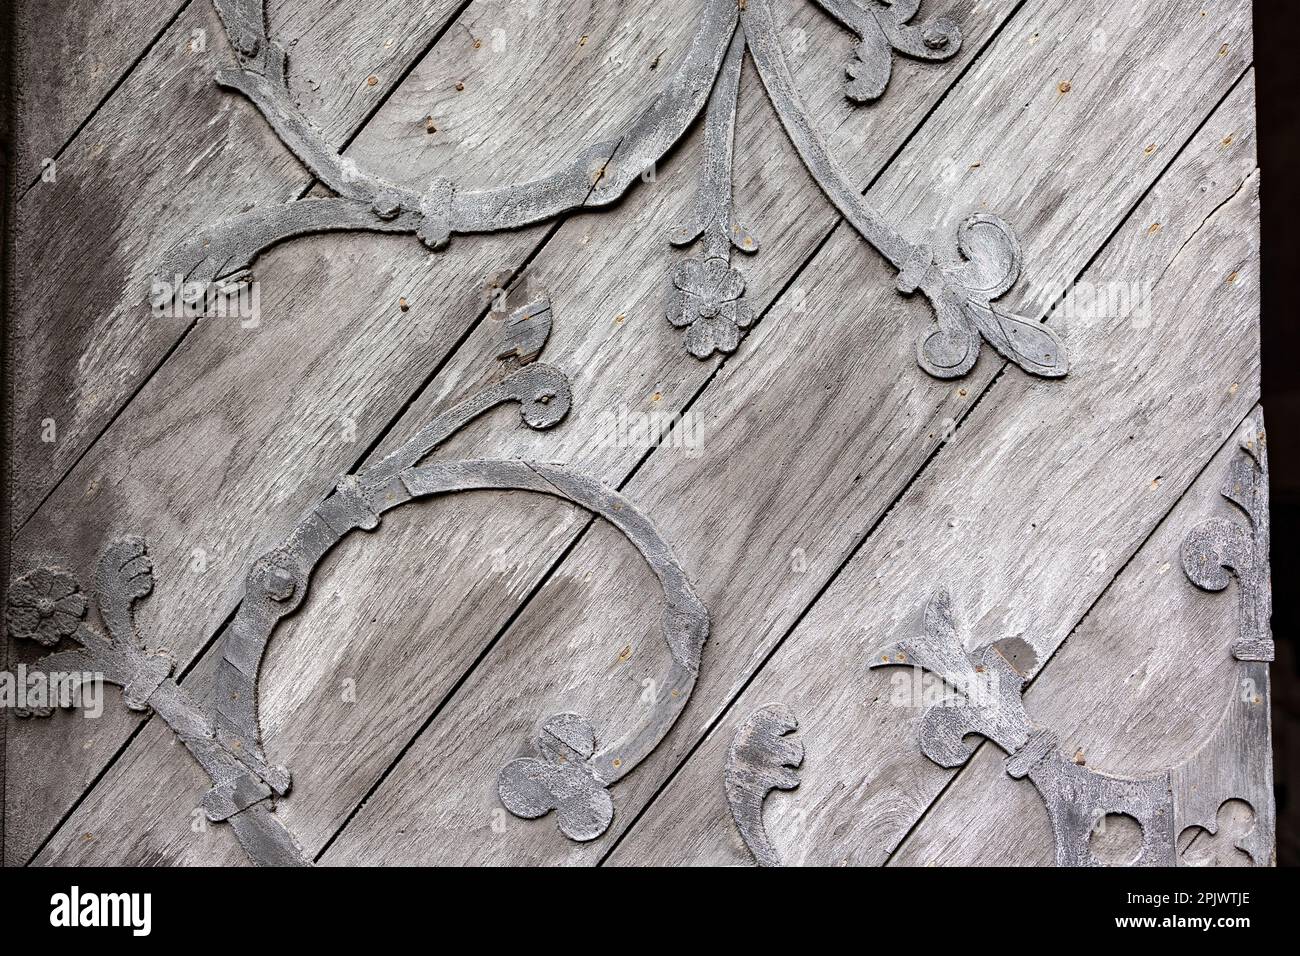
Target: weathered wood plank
column 1010, row 516
column 169, row 153
column 738, row 513
column 1136, row 688
column 65, row 73
column 206, row 457
column 601, row 268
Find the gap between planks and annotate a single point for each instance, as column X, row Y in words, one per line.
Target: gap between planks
column 1164, row 518
column 357, row 130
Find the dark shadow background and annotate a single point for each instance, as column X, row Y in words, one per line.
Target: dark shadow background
column 1279, row 136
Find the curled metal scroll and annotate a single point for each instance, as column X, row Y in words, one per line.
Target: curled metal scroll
column 986, row 687
column 763, row 757
column 46, row 605
column 961, row 288
column 883, row 29
column 597, row 176
column 707, row 295
column 1219, row 545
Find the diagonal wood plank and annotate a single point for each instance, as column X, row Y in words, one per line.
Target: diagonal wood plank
column 1010, row 516
column 1136, row 689
column 803, row 488
column 587, row 272
column 66, row 74
column 167, row 154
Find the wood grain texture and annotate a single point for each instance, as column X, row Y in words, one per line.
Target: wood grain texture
column 168, row 152
column 587, row 272
column 1137, row 687
column 1011, row 515
column 70, row 55
column 827, row 381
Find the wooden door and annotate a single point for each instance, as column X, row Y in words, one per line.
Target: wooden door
column 449, row 210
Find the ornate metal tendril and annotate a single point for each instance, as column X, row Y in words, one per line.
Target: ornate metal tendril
column 883, row 28
column 46, row 605
column 762, row 758
column 597, row 176
column 1219, row 545
column 986, row 701
column 961, row 289
column 707, row 296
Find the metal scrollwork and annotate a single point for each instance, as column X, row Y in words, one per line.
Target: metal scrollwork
column 961, row 290
column 708, row 297
column 1219, row 545
column 763, row 757
column 986, row 686
column 883, row 28
column 707, row 293
column 46, row 605
column 597, row 176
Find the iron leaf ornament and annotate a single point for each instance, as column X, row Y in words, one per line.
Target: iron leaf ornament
column 572, row 773
column 985, row 700
column 706, row 295
column 883, row 28
column 762, row 758
column 1220, row 545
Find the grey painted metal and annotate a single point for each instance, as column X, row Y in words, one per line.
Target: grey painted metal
column 961, row 288
column 708, row 294
column 762, row 758
column 986, row 701
column 124, row 575
column 572, row 777
column 597, row 176
column 883, row 29
column 1220, row 545
column 1079, row 799
column 987, row 688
